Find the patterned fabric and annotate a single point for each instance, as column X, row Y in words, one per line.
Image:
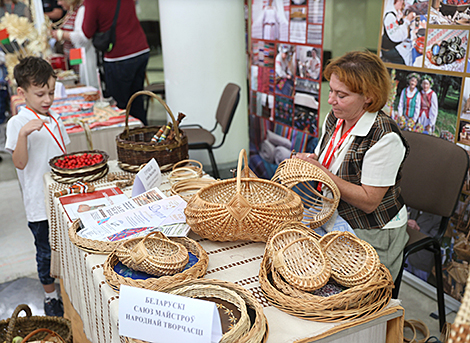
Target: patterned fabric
column 350, row 171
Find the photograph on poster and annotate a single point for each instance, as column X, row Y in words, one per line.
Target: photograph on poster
column 263, row 53
column 298, row 24
column 306, row 113
column 283, row 110
column 285, row 69
column 465, row 109
column 464, row 132
column 314, row 34
column 308, row 62
column 270, row 20
column 446, row 49
column 403, row 31
column 315, row 11
column 298, row 2
column 450, row 12
column 265, row 105
column 426, row 102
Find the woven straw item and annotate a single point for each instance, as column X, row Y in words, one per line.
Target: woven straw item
column 198, row 270
column 85, row 174
column 185, row 169
column 154, row 254
column 300, row 261
column 460, row 328
column 350, row 304
column 353, row 261
column 134, row 147
column 89, row 245
column 241, row 208
column 22, row 326
column 187, row 188
column 302, row 177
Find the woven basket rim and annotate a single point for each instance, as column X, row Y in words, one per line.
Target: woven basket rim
column 82, row 169
column 90, row 245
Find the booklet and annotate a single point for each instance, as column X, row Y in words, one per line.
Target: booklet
column 78, row 204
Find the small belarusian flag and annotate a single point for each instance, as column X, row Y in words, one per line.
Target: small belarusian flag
column 75, row 56
column 4, row 37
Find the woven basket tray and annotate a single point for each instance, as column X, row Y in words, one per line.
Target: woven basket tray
column 84, row 174
column 22, row 326
column 184, row 170
column 302, row 177
column 241, row 208
column 154, row 254
column 134, row 147
column 187, row 188
column 90, row 245
column 350, row 304
column 353, row 261
column 198, row 270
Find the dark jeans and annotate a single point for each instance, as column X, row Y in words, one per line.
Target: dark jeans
column 124, row 78
column 40, row 232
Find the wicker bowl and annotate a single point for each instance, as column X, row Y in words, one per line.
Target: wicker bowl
column 303, row 178
column 154, row 254
column 241, row 208
column 353, row 261
column 85, row 174
column 198, row 270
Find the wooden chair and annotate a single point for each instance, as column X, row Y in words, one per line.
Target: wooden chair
column 432, row 179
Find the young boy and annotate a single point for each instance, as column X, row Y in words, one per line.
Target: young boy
column 34, row 136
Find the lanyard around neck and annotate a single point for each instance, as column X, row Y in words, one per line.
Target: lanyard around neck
column 62, row 147
column 331, row 151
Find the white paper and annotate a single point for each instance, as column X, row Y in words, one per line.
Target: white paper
column 78, row 209
column 160, row 317
column 149, row 177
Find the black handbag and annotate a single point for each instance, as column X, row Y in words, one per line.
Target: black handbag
column 104, row 41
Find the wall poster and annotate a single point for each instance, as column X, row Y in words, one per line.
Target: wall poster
column 285, row 77
column 425, row 46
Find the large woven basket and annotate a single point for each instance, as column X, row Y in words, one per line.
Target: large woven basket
column 154, row 254
column 84, row 174
column 90, row 245
column 303, row 178
column 241, row 208
column 198, row 270
column 22, row 326
column 134, row 147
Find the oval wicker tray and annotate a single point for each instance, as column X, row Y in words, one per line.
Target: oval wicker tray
column 85, row 174
column 89, row 245
column 154, row 254
column 114, row 280
column 241, row 208
column 187, row 188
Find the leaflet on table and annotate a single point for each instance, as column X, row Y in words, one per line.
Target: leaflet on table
column 75, row 205
column 170, row 230
column 161, row 212
column 91, row 217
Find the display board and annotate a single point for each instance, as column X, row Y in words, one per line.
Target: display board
column 285, row 61
column 425, row 46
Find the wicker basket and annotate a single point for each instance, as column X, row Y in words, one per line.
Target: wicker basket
column 198, row 270
column 155, row 254
column 350, row 304
column 301, row 262
column 353, row 261
column 90, row 245
column 187, row 188
column 134, row 147
column 84, row 174
column 185, row 169
column 303, row 177
column 241, row 208
column 22, row 326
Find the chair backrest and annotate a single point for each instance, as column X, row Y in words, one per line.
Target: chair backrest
column 433, row 174
column 227, row 105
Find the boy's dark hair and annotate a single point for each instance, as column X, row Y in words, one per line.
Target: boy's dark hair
column 33, row 71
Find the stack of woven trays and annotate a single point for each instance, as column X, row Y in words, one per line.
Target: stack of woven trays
column 299, row 266
column 86, row 173
column 160, row 260
column 242, row 317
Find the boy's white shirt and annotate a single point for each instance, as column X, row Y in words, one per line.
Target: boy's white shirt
column 41, row 148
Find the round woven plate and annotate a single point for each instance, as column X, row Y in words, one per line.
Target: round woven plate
column 198, row 270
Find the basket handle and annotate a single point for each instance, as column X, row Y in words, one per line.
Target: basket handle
column 12, row 322
column 139, row 253
column 184, row 162
column 277, row 259
column 50, row 332
column 242, row 156
column 153, row 95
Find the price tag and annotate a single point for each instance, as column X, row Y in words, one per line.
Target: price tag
column 160, row 317
column 149, row 177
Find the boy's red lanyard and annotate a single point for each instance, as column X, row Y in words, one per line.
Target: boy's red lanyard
column 331, row 151
column 62, row 147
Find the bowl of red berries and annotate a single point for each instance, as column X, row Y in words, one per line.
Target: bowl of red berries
column 84, row 166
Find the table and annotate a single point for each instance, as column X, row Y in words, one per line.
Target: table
column 97, row 304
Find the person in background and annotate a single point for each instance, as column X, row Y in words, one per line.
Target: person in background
column 72, row 36
column 362, row 150
column 314, row 65
column 14, row 7
column 410, row 102
column 34, row 136
column 427, row 115
column 53, row 10
column 125, row 65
